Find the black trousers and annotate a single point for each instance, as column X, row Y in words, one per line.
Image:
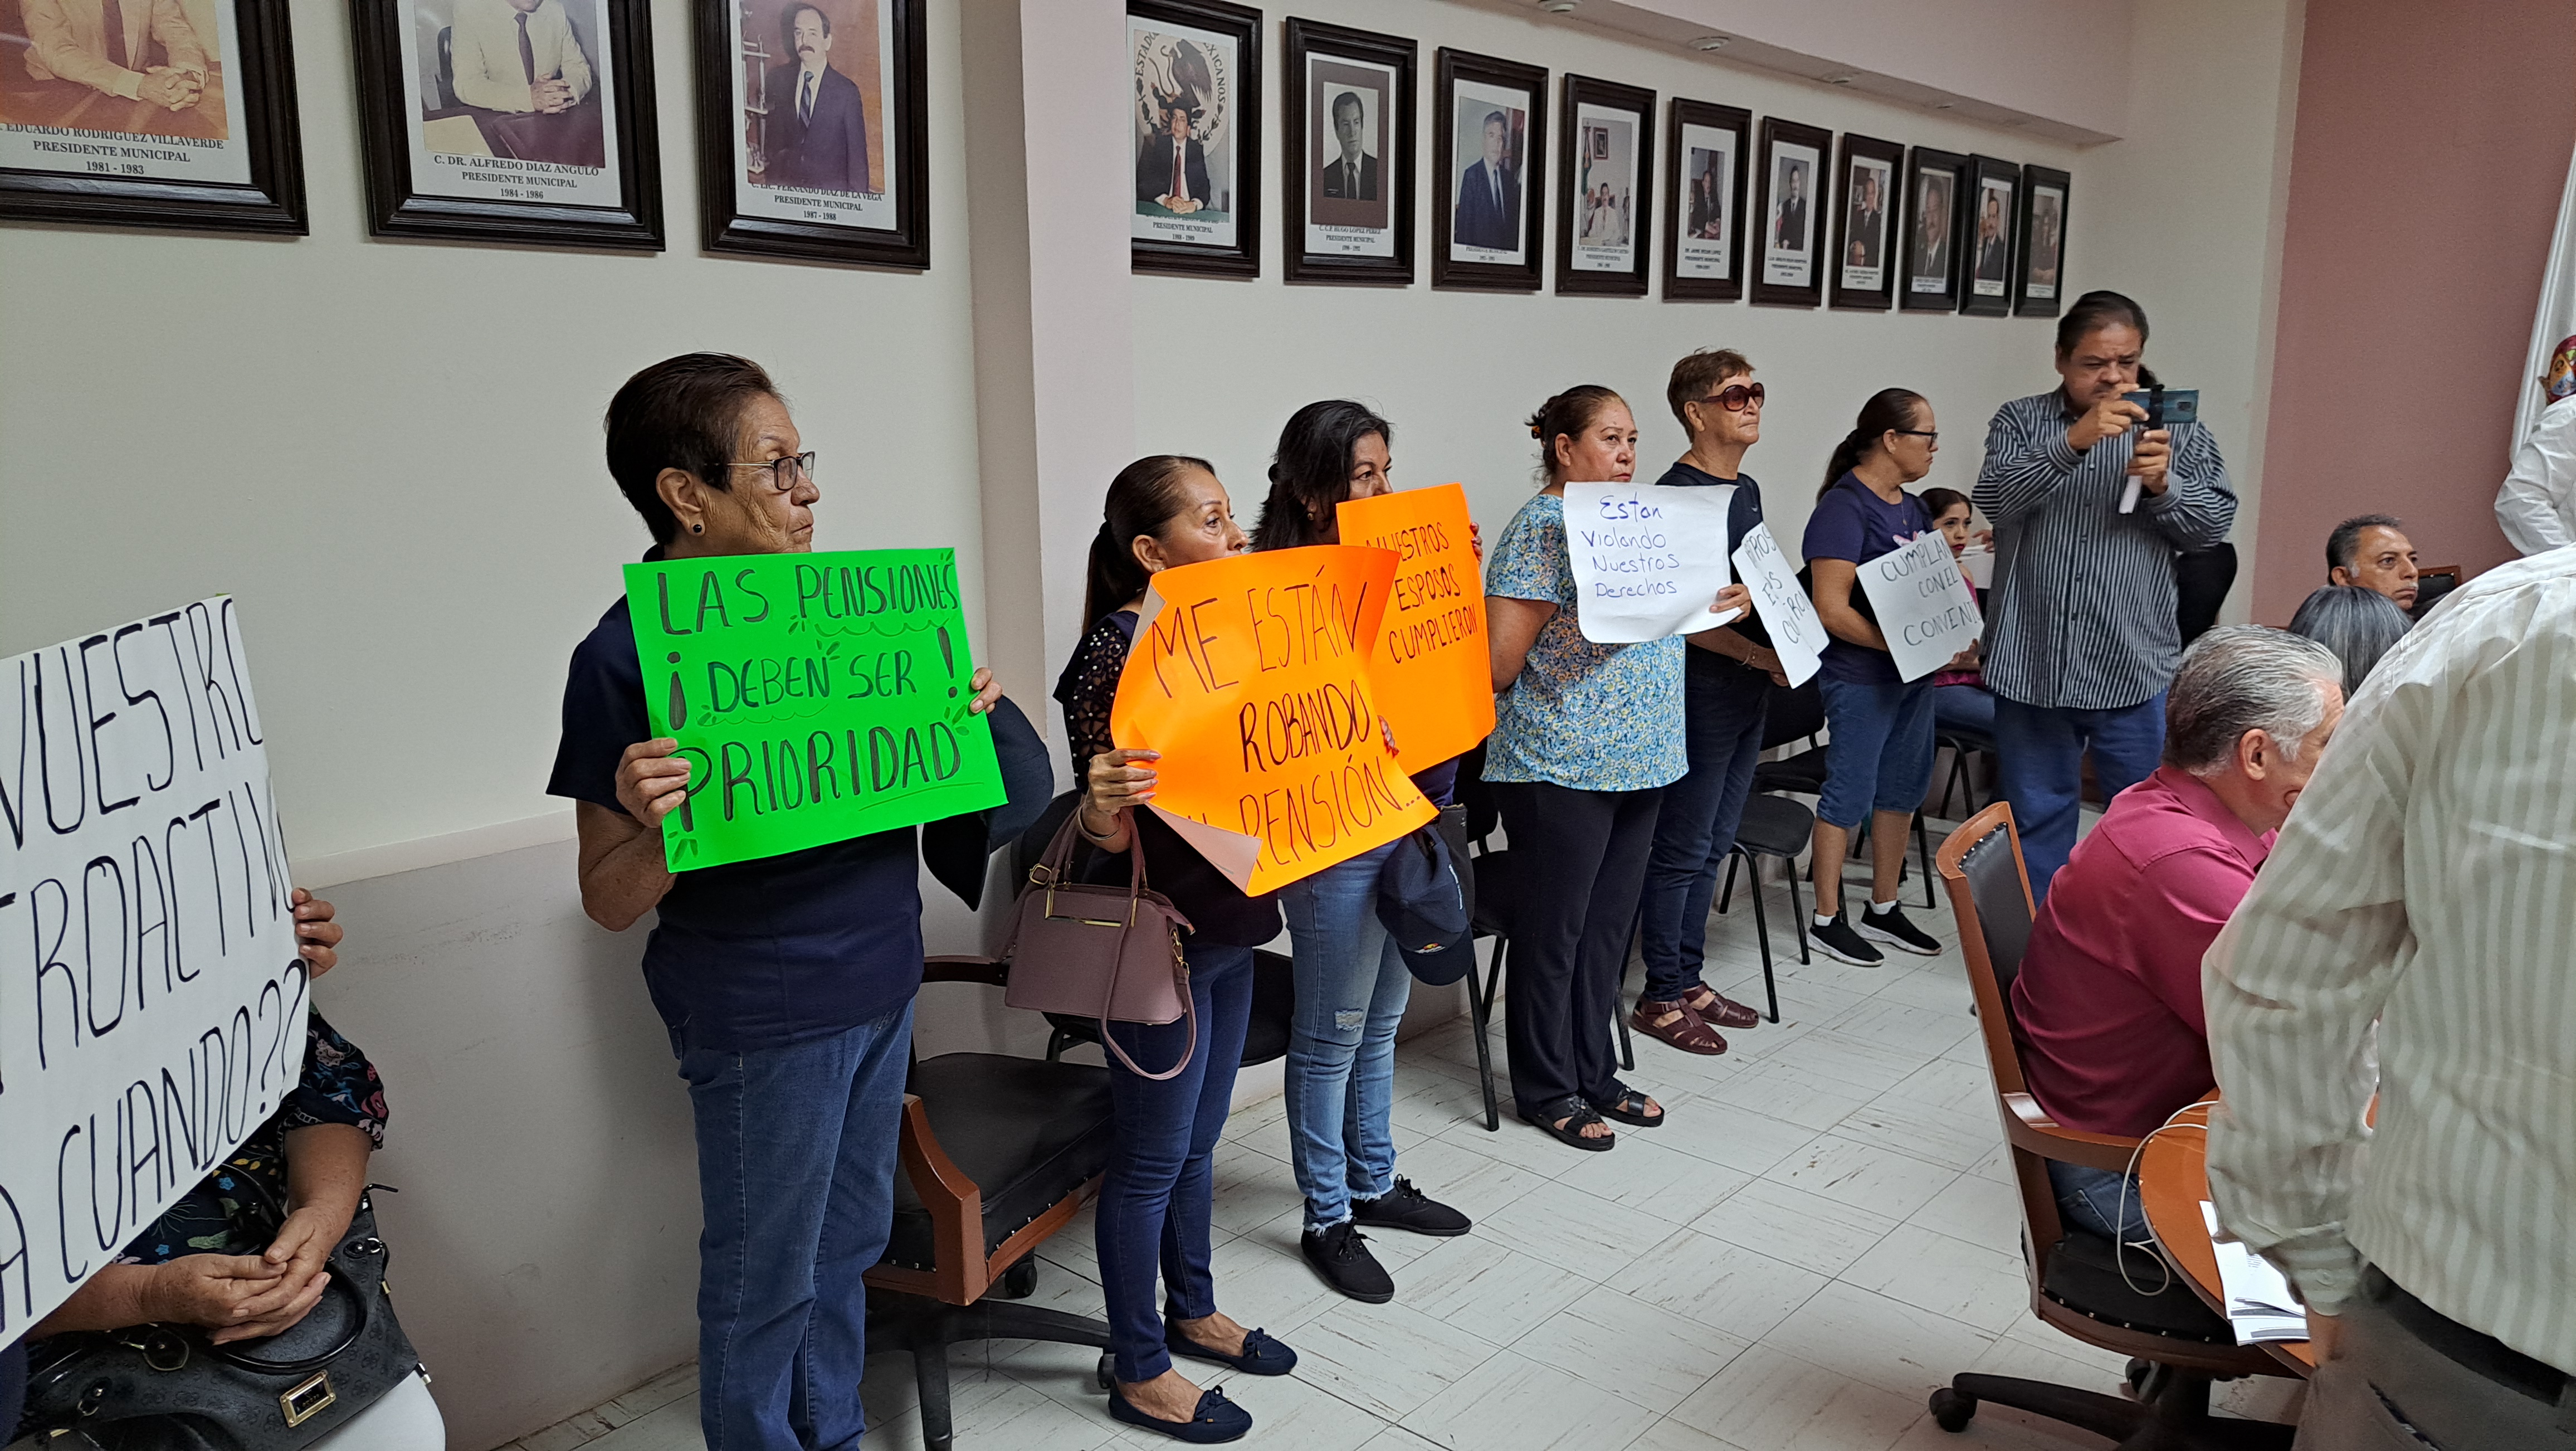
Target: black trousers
column 1579, row 861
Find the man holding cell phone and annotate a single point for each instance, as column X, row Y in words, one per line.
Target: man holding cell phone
column 2090, row 500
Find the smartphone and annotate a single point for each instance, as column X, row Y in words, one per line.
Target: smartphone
column 2167, row 406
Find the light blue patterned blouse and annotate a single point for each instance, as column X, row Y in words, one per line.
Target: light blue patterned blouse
column 1591, row 716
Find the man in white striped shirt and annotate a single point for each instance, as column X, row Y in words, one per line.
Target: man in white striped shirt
column 2427, row 883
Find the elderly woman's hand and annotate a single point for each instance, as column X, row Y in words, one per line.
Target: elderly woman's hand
column 317, row 937
column 988, row 691
column 1734, row 597
column 652, row 781
column 212, row 1291
column 1117, row 781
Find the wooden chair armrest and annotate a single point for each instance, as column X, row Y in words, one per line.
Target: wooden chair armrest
column 955, row 1202
column 2030, row 1128
column 964, row 967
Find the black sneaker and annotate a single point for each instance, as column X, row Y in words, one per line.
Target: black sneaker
column 1891, row 928
column 1340, row 1254
column 1407, row 1208
column 1838, row 940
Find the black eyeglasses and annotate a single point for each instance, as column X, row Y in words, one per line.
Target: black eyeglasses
column 784, row 473
column 1737, row 398
column 1933, row 434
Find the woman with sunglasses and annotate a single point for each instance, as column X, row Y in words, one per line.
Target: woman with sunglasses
column 1727, row 678
column 1586, row 738
column 1878, row 760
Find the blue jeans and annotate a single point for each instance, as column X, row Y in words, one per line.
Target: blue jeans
column 1351, row 989
column 2099, row 1200
column 1157, row 1195
column 2039, row 767
column 1970, row 707
column 796, row 1165
column 1723, row 715
column 1879, row 755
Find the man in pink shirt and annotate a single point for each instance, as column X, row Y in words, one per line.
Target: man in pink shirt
column 2107, row 1006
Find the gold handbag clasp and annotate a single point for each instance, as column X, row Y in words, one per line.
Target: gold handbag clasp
column 308, row 1400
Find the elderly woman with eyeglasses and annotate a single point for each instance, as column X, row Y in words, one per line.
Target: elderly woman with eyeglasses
column 787, row 982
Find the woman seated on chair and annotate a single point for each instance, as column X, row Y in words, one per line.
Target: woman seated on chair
column 245, row 1254
column 1156, row 1198
column 1960, row 699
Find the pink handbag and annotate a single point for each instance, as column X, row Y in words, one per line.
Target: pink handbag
column 1111, row 953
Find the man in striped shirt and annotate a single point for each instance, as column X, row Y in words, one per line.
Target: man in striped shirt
column 2081, row 638
column 2426, row 884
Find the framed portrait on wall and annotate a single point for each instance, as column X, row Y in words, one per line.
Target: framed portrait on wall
column 510, row 121
column 1934, row 181
column 1195, row 124
column 174, row 114
column 811, row 138
column 1985, row 287
column 1864, row 223
column 1487, row 117
column 2043, row 241
column 1787, row 210
column 1347, row 150
column 1705, row 146
column 1606, row 211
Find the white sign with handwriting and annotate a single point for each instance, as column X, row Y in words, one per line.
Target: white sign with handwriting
column 1648, row 559
column 1924, row 605
column 1796, row 634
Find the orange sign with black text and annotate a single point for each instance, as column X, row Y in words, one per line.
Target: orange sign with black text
column 1253, row 676
column 1432, row 656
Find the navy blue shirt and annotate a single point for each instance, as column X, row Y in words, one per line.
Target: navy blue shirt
column 1743, row 511
column 757, row 954
column 1852, row 522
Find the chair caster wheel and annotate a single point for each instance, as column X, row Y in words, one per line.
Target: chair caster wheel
column 1019, row 1281
column 1952, row 1411
column 1102, row 1375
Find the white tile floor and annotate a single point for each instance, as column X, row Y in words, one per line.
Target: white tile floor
column 1822, row 1233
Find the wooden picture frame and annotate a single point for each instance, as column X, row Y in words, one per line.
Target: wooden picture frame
column 1197, row 65
column 1707, row 148
column 223, row 154
column 844, row 178
column 1986, row 238
column 1864, row 275
column 443, row 164
column 1934, row 182
column 1347, row 222
column 1787, row 270
column 1499, row 106
column 2039, row 273
column 1605, row 213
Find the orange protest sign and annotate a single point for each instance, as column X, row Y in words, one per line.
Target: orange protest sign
column 1253, row 680
column 1432, row 666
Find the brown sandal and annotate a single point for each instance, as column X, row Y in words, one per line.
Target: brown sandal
column 1676, row 1024
column 1716, row 1007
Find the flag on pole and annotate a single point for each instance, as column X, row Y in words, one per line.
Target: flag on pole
column 2553, row 329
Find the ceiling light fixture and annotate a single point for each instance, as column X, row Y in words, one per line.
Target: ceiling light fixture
column 1838, row 80
column 1709, row 42
column 1558, row 7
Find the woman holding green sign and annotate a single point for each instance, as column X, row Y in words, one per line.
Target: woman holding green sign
column 786, row 982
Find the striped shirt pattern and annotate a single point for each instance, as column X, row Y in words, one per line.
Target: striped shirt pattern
column 2082, row 616
column 2427, row 881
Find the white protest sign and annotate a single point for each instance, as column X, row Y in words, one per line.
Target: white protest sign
column 1796, row 634
column 1647, row 558
column 1923, row 604
column 151, row 1002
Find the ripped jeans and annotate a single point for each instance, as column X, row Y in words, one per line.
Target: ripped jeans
column 1351, row 989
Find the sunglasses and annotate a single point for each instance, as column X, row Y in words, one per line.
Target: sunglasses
column 1737, row 398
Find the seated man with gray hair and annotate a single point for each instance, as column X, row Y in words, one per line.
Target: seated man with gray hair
column 2108, row 1005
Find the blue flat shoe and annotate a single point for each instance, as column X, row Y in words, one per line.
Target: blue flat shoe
column 1261, row 1354
column 1216, row 1420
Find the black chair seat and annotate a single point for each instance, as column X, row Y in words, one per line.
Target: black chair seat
column 2084, row 1277
column 1495, row 890
column 1274, row 1002
column 1965, row 738
column 1775, row 826
column 1029, row 1133
column 1803, row 772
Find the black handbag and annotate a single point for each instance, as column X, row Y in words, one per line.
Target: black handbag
column 170, row 1388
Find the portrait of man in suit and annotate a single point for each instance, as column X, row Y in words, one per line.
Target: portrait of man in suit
column 1707, row 218
column 1171, row 167
column 1789, row 218
column 142, row 50
column 1932, row 233
column 1489, row 192
column 1994, row 251
column 818, row 126
column 1352, row 172
column 2044, row 208
column 1868, row 217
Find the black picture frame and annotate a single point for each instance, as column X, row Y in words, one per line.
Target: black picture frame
column 1498, row 82
column 1981, row 294
column 1819, row 144
column 1576, row 167
column 826, row 229
column 1238, row 93
column 105, row 191
column 1684, row 213
column 1304, row 186
column 397, row 207
column 1948, row 173
column 1859, row 257
column 2041, row 236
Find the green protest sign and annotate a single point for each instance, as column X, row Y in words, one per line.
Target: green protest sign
column 817, row 697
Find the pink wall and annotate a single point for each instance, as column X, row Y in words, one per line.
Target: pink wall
column 2424, row 183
